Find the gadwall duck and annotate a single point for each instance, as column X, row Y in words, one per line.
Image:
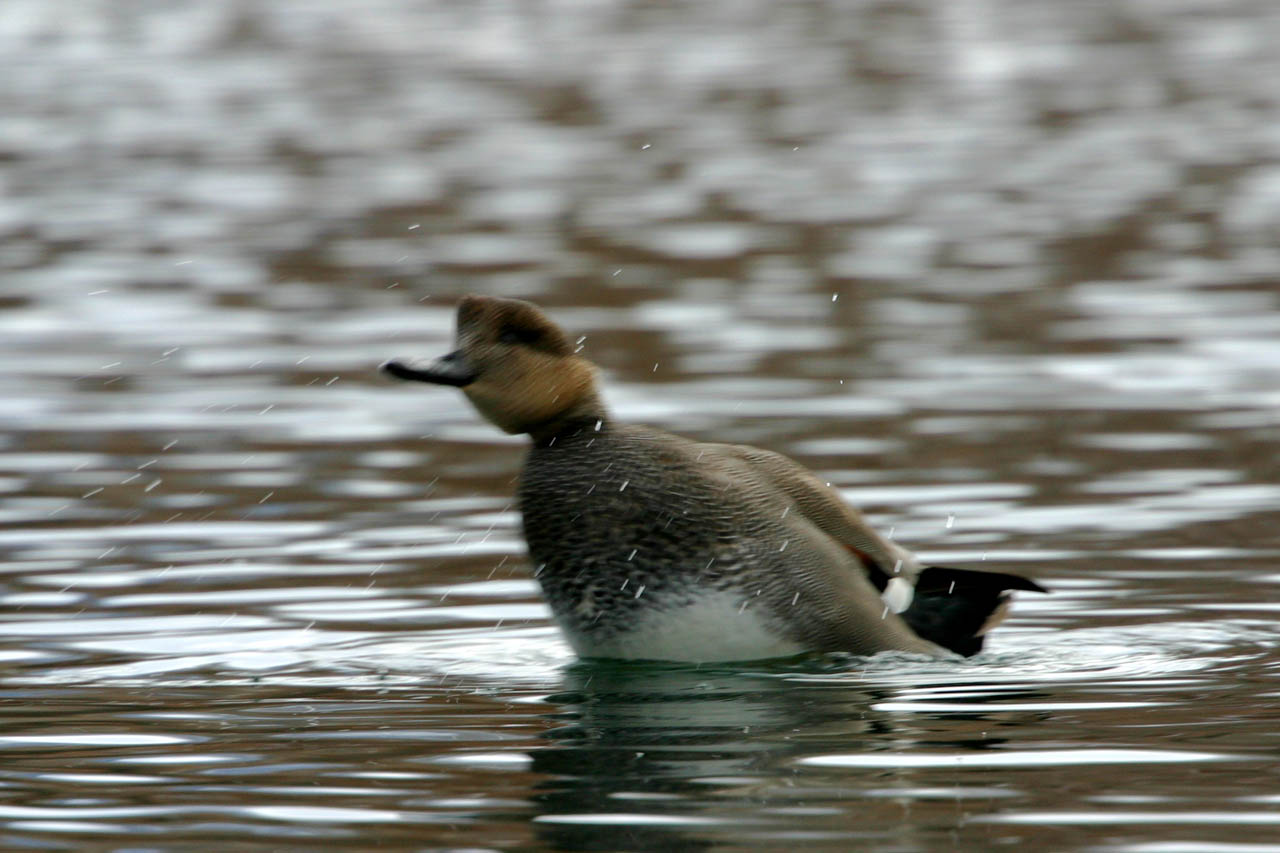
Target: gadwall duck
column 652, row 546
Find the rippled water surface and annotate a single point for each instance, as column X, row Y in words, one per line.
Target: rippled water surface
column 1006, row 273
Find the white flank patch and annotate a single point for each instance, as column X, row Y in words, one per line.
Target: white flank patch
column 716, row 627
column 898, row 594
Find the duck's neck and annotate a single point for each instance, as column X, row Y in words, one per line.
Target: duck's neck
column 587, row 415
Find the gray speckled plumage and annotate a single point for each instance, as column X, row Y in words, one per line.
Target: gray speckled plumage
column 625, row 520
column 648, row 545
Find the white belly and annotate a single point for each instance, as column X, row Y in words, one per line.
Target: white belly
column 715, row 627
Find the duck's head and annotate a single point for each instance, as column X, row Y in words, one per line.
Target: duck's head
column 516, row 367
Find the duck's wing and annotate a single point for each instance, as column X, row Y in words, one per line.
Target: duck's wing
column 822, row 506
column 953, row 608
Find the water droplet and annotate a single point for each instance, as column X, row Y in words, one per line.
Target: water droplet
column 951, row 520
column 598, row 425
column 784, row 545
column 640, row 591
column 834, row 297
column 624, row 485
column 632, row 555
column 794, row 599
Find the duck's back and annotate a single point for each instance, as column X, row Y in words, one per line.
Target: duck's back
column 648, row 545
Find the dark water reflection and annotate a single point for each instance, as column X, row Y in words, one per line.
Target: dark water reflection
column 1005, row 273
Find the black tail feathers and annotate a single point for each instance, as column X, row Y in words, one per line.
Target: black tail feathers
column 956, row 607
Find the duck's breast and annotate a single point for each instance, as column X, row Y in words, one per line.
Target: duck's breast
column 715, row 625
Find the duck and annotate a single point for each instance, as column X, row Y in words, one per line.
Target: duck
column 651, row 546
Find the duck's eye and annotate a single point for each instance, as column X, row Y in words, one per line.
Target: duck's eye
column 514, row 335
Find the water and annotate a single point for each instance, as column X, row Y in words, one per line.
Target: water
column 1004, row 273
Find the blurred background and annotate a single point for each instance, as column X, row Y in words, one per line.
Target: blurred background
column 1007, row 272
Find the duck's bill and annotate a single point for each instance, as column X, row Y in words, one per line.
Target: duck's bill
column 451, row 369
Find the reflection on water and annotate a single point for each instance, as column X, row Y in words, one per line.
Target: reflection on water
column 1004, row 273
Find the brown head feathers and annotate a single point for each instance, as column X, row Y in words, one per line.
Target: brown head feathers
column 516, row 366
